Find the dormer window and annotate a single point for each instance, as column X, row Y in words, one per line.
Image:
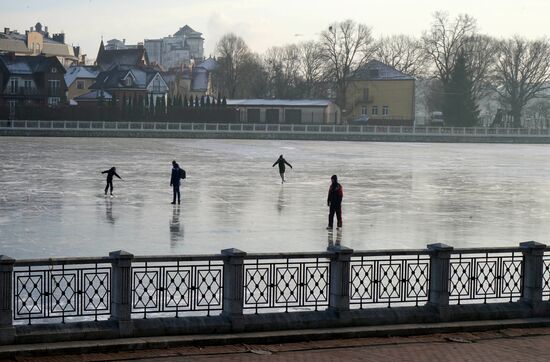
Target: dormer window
column 128, row 81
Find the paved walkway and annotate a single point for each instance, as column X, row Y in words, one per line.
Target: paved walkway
column 531, row 344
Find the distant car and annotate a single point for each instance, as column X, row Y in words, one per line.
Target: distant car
column 437, row 119
column 363, row 119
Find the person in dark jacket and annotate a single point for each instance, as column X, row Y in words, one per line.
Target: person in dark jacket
column 334, row 202
column 281, row 162
column 110, row 174
column 175, row 181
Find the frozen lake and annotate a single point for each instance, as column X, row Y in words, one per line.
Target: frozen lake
column 396, row 195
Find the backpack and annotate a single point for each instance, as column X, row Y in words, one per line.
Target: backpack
column 182, row 173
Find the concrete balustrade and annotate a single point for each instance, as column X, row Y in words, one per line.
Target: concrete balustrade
column 125, row 295
column 270, row 131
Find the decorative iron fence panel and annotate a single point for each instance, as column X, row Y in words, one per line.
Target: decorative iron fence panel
column 61, row 292
column 290, row 284
column 485, row 277
column 176, row 288
column 546, row 276
column 389, row 280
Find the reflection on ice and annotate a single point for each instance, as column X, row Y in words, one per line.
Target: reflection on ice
column 396, row 195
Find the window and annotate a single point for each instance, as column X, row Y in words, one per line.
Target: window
column 364, row 110
column 14, row 85
column 28, row 84
column 253, row 115
column 79, row 84
column 272, row 115
column 53, row 101
column 156, row 85
column 385, row 110
column 374, row 110
column 54, row 86
column 365, row 94
column 128, row 81
column 12, row 104
column 54, row 70
column 293, row 116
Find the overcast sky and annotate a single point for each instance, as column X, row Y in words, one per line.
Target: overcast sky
column 262, row 23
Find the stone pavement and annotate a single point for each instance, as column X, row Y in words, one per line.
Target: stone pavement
column 513, row 344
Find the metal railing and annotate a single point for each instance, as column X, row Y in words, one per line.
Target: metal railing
column 176, row 286
column 394, row 278
column 287, row 283
column 273, row 128
column 124, row 287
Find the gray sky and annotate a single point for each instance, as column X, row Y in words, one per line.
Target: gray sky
column 262, row 23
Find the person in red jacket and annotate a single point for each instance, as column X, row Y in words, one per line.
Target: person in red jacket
column 334, row 202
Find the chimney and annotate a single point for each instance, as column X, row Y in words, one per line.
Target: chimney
column 140, row 45
column 59, row 37
column 83, row 59
column 45, row 29
column 6, row 30
column 123, row 41
column 31, row 29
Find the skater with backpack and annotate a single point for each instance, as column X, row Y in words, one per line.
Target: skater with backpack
column 178, row 174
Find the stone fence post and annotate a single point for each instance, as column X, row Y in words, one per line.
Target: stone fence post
column 533, row 269
column 339, row 278
column 440, row 255
column 233, row 287
column 7, row 331
column 121, row 290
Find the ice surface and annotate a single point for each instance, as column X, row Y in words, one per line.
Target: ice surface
column 396, row 195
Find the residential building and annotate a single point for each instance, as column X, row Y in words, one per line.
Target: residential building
column 37, row 40
column 380, row 94
column 126, row 75
column 314, row 111
column 31, row 80
column 183, row 48
column 192, row 80
column 115, row 44
column 79, row 79
column 107, row 59
column 132, row 83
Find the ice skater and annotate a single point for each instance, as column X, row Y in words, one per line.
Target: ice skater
column 175, row 181
column 110, row 173
column 334, row 202
column 281, row 162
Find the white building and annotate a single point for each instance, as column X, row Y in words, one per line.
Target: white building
column 314, row 111
column 184, row 46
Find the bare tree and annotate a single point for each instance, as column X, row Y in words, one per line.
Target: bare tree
column 233, row 53
column 522, row 73
column 252, row 82
column 445, row 40
column 480, row 52
column 311, row 68
column 404, row 53
column 346, row 46
column 282, row 66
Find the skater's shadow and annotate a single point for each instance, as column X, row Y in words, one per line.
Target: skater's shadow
column 109, row 211
column 176, row 227
column 331, row 240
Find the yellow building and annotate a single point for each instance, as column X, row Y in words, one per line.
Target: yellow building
column 79, row 79
column 378, row 94
column 37, row 41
